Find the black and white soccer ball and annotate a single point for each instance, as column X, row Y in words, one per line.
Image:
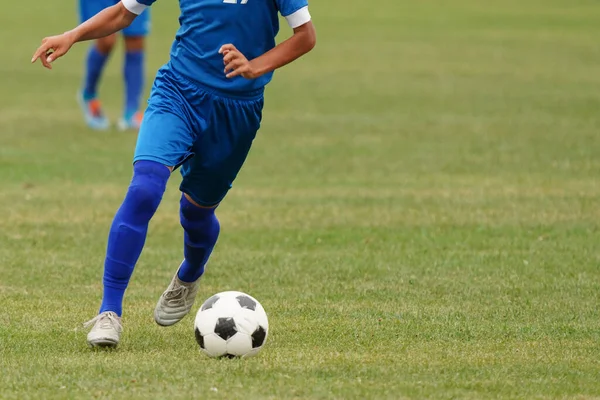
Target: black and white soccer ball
column 231, row 324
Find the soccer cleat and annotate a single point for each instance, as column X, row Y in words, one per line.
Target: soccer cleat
column 176, row 302
column 131, row 123
column 92, row 112
column 106, row 330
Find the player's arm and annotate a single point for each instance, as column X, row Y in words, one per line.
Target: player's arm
column 302, row 41
column 106, row 22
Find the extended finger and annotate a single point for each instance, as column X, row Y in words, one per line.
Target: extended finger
column 40, row 51
column 42, row 54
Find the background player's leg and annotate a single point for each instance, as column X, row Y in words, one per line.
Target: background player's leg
column 133, row 75
column 201, row 230
column 133, row 70
column 97, row 56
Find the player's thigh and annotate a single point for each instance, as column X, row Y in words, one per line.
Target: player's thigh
column 140, row 25
column 221, row 150
column 167, row 133
column 89, row 8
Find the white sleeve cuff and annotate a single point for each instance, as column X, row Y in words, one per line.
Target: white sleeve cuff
column 299, row 18
column 134, row 6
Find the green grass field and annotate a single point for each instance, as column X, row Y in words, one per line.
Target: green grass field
column 419, row 215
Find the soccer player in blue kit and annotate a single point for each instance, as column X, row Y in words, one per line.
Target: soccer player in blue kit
column 203, row 114
column 133, row 68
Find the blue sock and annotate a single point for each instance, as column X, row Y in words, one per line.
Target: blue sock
column 95, row 62
column 201, row 230
column 133, row 72
column 128, row 230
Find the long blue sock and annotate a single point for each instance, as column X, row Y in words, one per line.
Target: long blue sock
column 201, row 230
column 133, row 73
column 95, row 62
column 128, row 231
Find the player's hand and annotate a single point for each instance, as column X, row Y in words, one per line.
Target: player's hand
column 236, row 63
column 52, row 48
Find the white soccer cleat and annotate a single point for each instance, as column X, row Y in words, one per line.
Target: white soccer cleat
column 106, row 331
column 176, row 302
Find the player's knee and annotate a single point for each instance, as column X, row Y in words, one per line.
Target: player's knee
column 148, row 186
column 200, row 222
column 106, row 44
column 134, row 43
column 144, row 198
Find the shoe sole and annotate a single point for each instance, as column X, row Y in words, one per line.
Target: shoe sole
column 165, row 323
column 105, row 343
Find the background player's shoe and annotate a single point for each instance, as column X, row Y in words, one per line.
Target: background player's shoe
column 106, row 331
column 92, row 112
column 176, row 302
column 131, row 123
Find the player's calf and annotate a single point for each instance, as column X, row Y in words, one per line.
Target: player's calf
column 201, row 231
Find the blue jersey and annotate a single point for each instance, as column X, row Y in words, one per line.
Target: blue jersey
column 206, row 25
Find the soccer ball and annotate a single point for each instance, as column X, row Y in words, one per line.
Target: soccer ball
column 231, row 324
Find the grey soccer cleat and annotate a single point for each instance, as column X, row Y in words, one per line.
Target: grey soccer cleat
column 176, row 302
column 106, row 330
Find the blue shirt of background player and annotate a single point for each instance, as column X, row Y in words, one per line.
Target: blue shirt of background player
column 205, row 25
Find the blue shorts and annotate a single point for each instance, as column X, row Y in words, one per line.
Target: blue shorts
column 139, row 27
column 207, row 134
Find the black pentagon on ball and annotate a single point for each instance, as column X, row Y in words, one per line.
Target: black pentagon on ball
column 209, row 303
column 225, row 328
column 246, row 302
column 258, row 337
column 199, row 338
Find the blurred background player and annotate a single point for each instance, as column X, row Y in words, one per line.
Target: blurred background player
column 133, row 69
